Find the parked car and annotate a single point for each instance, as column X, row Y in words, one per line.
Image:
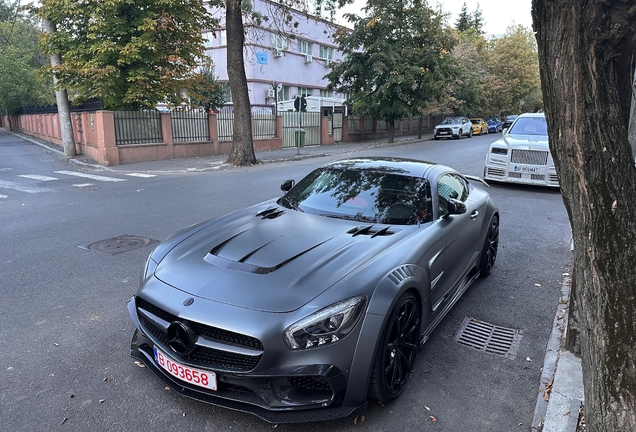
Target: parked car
column 508, row 120
column 522, row 155
column 301, row 308
column 494, row 125
column 453, row 127
column 480, row 127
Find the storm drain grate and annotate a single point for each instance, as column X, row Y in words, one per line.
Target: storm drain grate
column 489, row 338
column 117, row 245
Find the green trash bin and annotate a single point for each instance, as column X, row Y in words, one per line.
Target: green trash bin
column 299, row 135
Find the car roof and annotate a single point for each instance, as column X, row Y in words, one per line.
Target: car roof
column 399, row 166
column 535, row 115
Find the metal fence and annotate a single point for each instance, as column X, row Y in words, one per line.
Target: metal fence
column 382, row 126
column 225, row 124
column 89, row 105
column 264, row 125
column 354, row 124
column 137, row 127
column 311, row 125
column 335, row 124
column 190, row 126
column 368, row 124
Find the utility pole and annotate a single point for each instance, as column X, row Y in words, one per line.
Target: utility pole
column 63, row 112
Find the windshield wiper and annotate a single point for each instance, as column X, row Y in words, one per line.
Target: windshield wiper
column 351, row 218
column 292, row 205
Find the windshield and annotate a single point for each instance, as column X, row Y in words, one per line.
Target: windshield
column 529, row 126
column 511, row 117
column 475, row 121
column 451, row 120
column 366, row 195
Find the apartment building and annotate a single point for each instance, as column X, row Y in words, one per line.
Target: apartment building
column 282, row 61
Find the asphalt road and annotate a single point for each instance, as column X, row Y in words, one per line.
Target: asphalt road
column 65, row 331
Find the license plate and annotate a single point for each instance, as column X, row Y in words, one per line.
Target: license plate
column 197, row 377
column 525, row 169
column 444, row 133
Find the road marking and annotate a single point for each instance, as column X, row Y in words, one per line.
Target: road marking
column 81, row 185
column 38, row 177
column 4, row 196
column 16, row 186
column 90, row 176
column 141, row 175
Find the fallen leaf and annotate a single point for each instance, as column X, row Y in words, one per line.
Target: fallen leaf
column 56, row 344
column 433, row 419
column 538, row 285
column 140, row 364
column 427, row 408
column 566, row 413
column 355, row 421
column 566, row 274
column 559, row 317
column 102, row 400
column 166, row 388
column 65, row 418
column 528, row 359
column 274, row 427
column 183, row 414
column 362, row 419
column 105, row 379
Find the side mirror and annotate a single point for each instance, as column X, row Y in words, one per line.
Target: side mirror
column 287, row 185
column 456, row 207
column 505, row 131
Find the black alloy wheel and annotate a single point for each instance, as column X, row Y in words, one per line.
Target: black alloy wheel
column 489, row 253
column 396, row 353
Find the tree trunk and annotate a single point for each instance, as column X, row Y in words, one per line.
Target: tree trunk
column 585, row 56
column 63, row 109
column 632, row 119
column 242, row 152
column 391, row 131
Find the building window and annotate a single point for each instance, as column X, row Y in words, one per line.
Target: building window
column 284, row 93
column 304, row 47
column 227, row 91
column 304, row 91
column 208, row 39
column 326, row 52
column 325, row 93
column 280, row 42
column 222, row 37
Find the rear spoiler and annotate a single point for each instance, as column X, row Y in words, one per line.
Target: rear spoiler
column 479, row 179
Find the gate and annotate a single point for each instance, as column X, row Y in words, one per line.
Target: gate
column 336, row 126
column 311, row 124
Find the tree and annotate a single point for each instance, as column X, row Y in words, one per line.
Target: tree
column 8, row 10
column 478, row 19
column 131, row 54
column 463, row 22
column 586, row 52
column 204, row 91
column 397, row 59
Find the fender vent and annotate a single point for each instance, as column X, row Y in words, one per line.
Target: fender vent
column 398, row 275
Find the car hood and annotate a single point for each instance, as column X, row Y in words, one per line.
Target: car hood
column 525, row 142
column 271, row 258
column 448, row 125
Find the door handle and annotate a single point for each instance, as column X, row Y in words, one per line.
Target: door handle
column 474, row 215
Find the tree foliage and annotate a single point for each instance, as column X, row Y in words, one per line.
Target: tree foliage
column 398, row 59
column 132, row 54
column 20, row 84
column 204, row 91
column 463, row 22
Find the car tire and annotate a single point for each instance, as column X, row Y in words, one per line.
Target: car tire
column 470, row 133
column 396, row 352
column 436, row 138
column 487, row 132
column 489, row 252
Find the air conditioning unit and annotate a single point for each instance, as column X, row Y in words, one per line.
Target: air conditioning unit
column 328, row 61
column 309, row 58
column 278, row 52
column 270, row 93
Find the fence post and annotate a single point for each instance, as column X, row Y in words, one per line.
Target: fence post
column 214, row 132
column 107, row 151
column 166, row 131
column 361, row 126
column 345, row 128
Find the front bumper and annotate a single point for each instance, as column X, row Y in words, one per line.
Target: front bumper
column 543, row 176
column 445, row 133
column 288, row 392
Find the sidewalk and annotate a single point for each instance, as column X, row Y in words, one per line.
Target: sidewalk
column 560, row 393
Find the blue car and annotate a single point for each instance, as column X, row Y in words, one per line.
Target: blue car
column 494, row 124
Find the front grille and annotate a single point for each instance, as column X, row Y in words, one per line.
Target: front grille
column 448, row 130
column 529, row 157
column 203, row 355
column 310, row 383
column 496, row 172
column 537, row 177
column 514, row 175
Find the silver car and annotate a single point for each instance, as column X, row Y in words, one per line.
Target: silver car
column 522, row 155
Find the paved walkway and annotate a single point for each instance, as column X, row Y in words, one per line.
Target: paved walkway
column 561, row 379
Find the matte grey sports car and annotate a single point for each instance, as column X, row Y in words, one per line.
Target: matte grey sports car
column 303, row 307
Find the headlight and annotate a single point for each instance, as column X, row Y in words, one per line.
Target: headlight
column 326, row 326
column 499, row 150
column 455, row 129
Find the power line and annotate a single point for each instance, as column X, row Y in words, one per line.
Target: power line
column 15, row 17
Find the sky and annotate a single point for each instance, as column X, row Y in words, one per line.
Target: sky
column 498, row 14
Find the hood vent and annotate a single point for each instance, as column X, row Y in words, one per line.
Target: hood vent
column 270, row 213
column 369, row 230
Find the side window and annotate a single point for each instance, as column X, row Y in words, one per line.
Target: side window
column 450, row 186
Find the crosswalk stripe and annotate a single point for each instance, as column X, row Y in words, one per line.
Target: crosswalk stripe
column 18, row 187
column 91, row 176
column 4, row 196
column 81, row 185
column 142, row 175
column 38, row 177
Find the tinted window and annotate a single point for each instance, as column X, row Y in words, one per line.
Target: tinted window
column 368, row 195
column 450, row 186
column 529, row 126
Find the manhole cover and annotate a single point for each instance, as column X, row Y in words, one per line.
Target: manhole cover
column 489, row 338
column 116, row 245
